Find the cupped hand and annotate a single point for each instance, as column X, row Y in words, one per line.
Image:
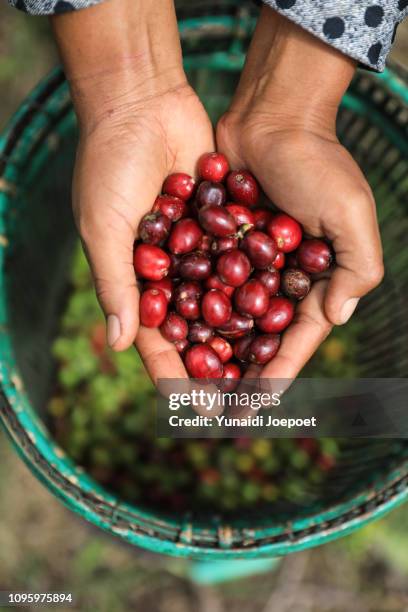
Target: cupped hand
column 283, row 130
column 139, row 121
column 122, row 161
column 316, row 181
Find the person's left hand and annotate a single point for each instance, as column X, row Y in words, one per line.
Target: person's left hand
column 281, row 126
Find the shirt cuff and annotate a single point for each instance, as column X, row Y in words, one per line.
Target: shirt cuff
column 363, row 30
column 51, row 7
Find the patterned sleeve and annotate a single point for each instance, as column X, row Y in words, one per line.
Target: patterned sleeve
column 362, row 29
column 51, row 7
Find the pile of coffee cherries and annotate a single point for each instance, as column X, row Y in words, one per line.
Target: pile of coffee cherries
column 221, row 275
column 102, row 413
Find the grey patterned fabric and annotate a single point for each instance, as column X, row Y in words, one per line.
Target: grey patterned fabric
column 362, row 29
column 51, row 7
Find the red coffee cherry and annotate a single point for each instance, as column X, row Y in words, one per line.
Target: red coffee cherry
column 213, row 167
column 260, row 248
column 252, row 298
column 150, row 262
column 314, row 256
column 210, row 194
column 217, row 221
column 154, row 228
column 184, row 237
column 203, row 362
column 286, row 232
column 195, row 266
column 180, row 185
column 278, row 316
column 216, row 307
column 170, row 206
column 153, row 308
column 233, row 268
column 174, row 328
column 242, row 187
column 264, row 348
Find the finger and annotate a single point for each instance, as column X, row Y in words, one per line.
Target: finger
column 307, row 331
column 359, row 265
column 300, row 341
column 249, row 384
column 160, row 357
column 168, row 374
column 107, row 215
column 111, row 260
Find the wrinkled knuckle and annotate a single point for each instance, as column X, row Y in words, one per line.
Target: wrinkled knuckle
column 103, row 288
column 319, row 323
column 101, row 294
column 372, row 274
column 361, row 197
column 375, row 274
column 117, row 288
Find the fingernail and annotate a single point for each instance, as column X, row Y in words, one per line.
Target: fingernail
column 112, row 329
column 348, row 309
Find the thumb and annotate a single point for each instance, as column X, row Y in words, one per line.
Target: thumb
column 110, row 255
column 359, row 266
column 108, row 203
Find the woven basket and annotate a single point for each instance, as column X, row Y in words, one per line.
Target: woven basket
column 36, row 241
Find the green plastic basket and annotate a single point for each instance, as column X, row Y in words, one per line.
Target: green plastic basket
column 36, row 241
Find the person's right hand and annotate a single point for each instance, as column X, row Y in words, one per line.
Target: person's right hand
column 120, row 168
column 139, row 121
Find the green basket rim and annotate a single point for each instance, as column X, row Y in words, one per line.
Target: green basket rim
column 82, row 495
